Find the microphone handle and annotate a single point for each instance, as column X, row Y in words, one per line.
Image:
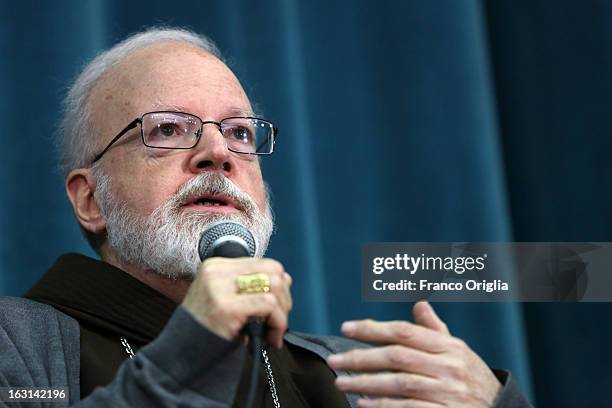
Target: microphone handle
column 254, row 328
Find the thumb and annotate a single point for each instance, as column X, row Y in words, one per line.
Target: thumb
column 425, row 316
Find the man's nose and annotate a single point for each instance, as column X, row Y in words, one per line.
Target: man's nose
column 211, row 152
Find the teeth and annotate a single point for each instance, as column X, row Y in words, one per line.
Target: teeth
column 206, row 202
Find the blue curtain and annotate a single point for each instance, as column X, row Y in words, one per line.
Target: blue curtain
column 436, row 120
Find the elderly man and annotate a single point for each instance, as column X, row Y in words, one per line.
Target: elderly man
column 159, row 140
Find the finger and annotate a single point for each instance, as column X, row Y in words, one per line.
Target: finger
column 232, row 267
column 396, row 403
column 389, row 358
column 288, row 283
column 279, row 280
column 264, row 306
column 223, row 286
column 390, row 385
column 279, row 286
column 224, row 272
column 262, row 265
column 277, row 321
column 288, row 278
column 259, row 305
column 228, row 318
column 397, row 332
column 276, row 326
column 425, row 315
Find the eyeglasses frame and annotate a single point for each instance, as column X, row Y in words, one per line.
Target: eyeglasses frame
column 138, row 121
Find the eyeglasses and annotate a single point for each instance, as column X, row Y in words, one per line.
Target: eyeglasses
column 178, row 130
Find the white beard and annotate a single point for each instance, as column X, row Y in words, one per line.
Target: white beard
column 166, row 241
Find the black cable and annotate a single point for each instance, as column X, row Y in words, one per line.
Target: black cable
column 254, row 329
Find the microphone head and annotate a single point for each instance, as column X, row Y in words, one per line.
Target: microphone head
column 226, row 238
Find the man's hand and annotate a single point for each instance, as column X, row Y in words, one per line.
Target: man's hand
column 213, row 297
column 423, row 365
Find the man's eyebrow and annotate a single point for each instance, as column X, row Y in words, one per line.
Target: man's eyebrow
column 169, row 107
column 178, row 108
column 244, row 112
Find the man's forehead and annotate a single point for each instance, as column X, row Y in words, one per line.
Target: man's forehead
column 169, row 66
column 169, row 76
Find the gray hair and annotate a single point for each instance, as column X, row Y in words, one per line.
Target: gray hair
column 74, row 140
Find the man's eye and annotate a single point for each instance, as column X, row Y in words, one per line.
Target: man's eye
column 166, row 130
column 242, row 134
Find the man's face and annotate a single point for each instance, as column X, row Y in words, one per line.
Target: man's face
column 157, row 202
column 170, row 76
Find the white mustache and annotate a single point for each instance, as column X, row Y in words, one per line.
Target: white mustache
column 215, row 184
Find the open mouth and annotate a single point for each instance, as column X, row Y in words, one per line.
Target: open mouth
column 210, row 202
column 216, row 201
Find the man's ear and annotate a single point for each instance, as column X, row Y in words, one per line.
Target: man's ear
column 80, row 188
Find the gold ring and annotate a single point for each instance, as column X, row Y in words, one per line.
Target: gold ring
column 253, row 283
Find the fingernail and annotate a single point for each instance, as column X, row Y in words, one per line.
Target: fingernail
column 335, row 359
column 365, row 403
column 342, row 382
column 422, row 302
column 348, row 328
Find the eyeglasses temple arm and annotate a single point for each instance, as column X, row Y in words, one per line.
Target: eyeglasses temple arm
column 129, row 127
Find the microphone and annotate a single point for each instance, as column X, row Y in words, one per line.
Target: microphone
column 230, row 239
